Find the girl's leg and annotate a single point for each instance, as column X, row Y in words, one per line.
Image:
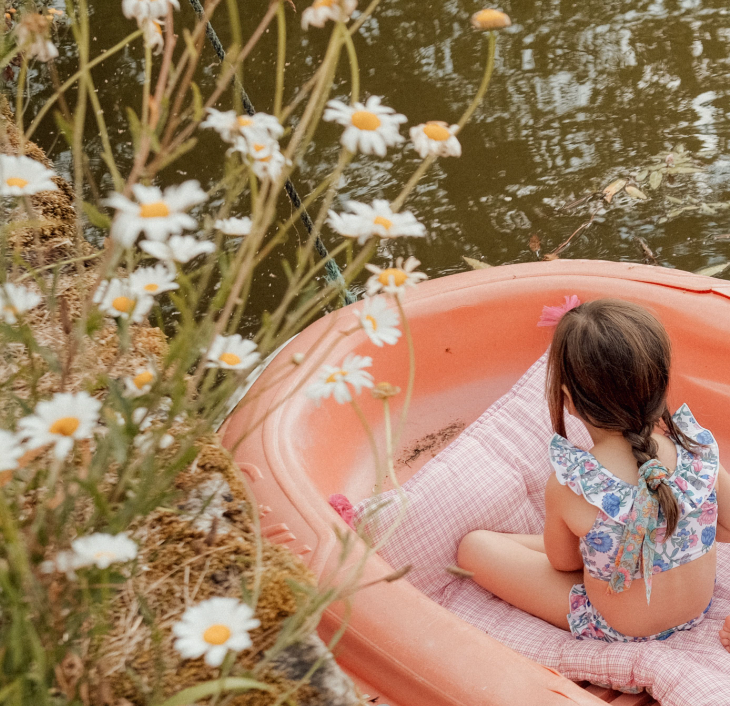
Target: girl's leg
column 518, row 574
column 531, row 541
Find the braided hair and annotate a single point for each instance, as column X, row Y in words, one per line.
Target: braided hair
column 614, row 357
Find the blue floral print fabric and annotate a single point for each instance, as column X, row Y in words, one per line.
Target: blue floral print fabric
column 693, row 484
column 586, row 623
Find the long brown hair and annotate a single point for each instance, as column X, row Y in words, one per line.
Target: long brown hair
column 614, row 359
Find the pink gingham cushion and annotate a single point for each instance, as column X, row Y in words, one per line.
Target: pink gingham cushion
column 491, row 477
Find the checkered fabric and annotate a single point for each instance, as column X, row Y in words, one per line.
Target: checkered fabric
column 493, row 477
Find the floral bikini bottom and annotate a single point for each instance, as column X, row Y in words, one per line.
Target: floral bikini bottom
column 586, row 623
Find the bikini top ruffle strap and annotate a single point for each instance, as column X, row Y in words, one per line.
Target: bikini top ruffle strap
column 637, row 544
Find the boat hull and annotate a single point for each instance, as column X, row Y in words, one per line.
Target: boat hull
column 474, row 335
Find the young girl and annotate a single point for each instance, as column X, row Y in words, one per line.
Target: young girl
column 628, row 552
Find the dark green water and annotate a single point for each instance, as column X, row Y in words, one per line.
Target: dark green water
column 583, row 92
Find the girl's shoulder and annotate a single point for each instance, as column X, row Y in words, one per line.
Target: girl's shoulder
column 694, row 477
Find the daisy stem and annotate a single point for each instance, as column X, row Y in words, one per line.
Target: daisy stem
column 19, row 103
column 411, row 371
column 379, row 470
column 354, row 65
column 280, row 58
column 146, row 87
column 415, row 178
column 489, row 68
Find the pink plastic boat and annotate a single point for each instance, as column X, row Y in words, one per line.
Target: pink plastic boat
column 474, row 336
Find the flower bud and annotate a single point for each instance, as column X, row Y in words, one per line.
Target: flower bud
column 383, row 390
column 490, row 19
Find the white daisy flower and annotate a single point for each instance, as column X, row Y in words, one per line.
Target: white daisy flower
column 213, row 627
column 65, row 418
column 142, row 9
column 23, row 176
column 394, row 280
column 234, row 226
column 139, row 384
column 231, row 127
column 378, row 219
column 334, row 380
column 148, row 443
column 369, row 128
column 119, row 299
column 102, row 550
column 32, row 33
column 156, row 214
column 16, row 300
column 65, row 562
column 322, row 10
column 379, row 321
column 232, row 353
column 152, row 34
column 267, row 160
column 437, row 138
column 179, row 248
column 10, row 450
column 151, row 281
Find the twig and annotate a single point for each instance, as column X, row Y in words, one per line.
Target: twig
column 581, row 228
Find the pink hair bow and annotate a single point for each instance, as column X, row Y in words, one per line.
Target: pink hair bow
column 552, row 314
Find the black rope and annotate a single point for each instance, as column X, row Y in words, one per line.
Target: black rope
column 332, row 271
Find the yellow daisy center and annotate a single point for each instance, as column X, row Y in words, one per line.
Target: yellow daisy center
column 336, row 376
column 144, row 378
column 324, row 3
column 372, row 321
column 17, row 181
column 383, row 221
column 244, row 121
column 158, row 209
column 229, row 358
column 10, row 309
column 105, row 555
column 157, row 27
column 151, row 287
column 216, row 634
column 434, row 131
column 399, row 276
column 365, row 120
column 123, row 304
column 65, row 426
column 258, row 148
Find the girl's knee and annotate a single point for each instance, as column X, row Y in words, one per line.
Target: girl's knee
column 471, row 547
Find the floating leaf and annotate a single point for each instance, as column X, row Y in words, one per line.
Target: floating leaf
column 671, row 199
column 642, row 175
column 476, row 264
column 678, row 211
column 550, row 256
column 724, row 236
column 636, row 193
column 535, row 243
column 612, row 189
column 684, row 170
column 707, row 210
column 649, row 257
column 713, row 270
column 655, row 179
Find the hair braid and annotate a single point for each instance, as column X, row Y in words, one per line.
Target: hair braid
column 645, row 448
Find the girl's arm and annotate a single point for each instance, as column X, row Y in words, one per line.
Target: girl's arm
column 561, row 545
column 722, row 487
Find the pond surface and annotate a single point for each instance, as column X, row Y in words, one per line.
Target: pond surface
column 584, row 92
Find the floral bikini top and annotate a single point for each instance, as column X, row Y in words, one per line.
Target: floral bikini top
column 627, row 540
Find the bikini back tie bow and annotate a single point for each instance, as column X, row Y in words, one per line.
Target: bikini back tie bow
column 637, row 546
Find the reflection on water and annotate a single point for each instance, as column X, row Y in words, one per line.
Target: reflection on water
column 584, row 91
